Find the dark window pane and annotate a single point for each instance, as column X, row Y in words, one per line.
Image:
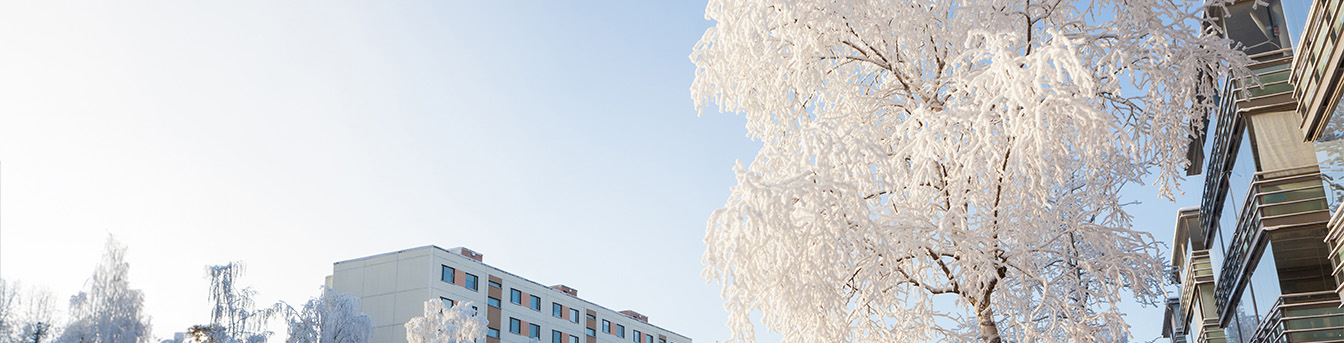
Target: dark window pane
column 447, row 274
column 471, row 282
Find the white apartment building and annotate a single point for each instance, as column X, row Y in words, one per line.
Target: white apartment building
column 394, row 286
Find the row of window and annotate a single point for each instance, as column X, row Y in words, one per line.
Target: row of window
column 558, row 311
column 516, row 327
column 516, row 297
column 620, row 332
column 449, row 275
column 559, row 337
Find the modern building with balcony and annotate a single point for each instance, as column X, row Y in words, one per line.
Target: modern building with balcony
column 394, row 286
column 1259, row 260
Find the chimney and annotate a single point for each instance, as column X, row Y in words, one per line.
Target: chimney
column 566, row 289
column 636, row 315
column 468, row 253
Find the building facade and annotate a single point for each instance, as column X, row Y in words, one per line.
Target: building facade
column 394, row 286
column 1259, row 259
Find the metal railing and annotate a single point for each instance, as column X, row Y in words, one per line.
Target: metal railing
column 1274, row 196
column 1302, row 317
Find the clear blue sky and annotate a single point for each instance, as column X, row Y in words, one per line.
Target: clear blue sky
column 293, row 134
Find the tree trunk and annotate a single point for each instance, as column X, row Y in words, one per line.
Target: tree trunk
column 989, row 330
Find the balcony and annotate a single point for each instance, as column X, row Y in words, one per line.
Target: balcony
column 1303, row 317
column 1316, row 69
column 1289, row 203
column 1198, row 315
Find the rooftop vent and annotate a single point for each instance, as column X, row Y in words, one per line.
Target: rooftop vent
column 566, row 289
column 636, row 315
column 468, row 253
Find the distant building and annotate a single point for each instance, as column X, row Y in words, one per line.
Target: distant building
column 394, row 286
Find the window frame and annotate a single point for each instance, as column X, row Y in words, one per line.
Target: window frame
column 606, row 326
column 472, row 282
column 534, row 331
column 574, row 315
column 590, row 332
column 557, row 310
column 620, row 330
column 492, row 302
column 494, row 284
column 515, row 326
column 557, row 336
column 448, row 274
column 491, row 331
column 536, row 302
column 515, row 296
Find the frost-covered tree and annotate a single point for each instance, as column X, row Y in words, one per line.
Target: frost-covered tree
column 9, row 308
column 459, row 324
column 108, row 310
column 26, row 316
column 946, row 170
column 234, row 317
column 38, row 321
column 332, row 317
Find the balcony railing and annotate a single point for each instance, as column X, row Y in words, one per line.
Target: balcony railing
column 1279, row 199
column 1302, row 317
column 1197, row 278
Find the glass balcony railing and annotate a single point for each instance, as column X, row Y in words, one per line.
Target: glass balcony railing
column 1303, row 317
column 1280, row 198
column 1196, row 289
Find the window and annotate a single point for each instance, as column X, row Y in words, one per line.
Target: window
column 592, row 318
column 606, row 326
column 492, row 332
column 495, row 285
column 590, row 332
column 515, row 296
column 648, row 338
column 557, row 337
column 515, row 326
column 471, row 282
column 536, row 303
column 573, row 339
column 448, row 302
column 535, row 332
column 573, row 316
column 638, row 336
column 662, row 340
column 492, row 302
column 620, row 330
column 557, row 310
column 448, row 274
